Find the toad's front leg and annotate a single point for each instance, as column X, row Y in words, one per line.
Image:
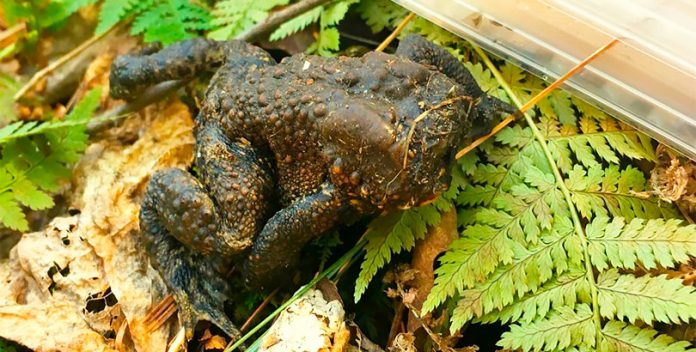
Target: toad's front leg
column 276, row 250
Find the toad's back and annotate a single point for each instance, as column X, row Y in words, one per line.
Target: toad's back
column 306, row 110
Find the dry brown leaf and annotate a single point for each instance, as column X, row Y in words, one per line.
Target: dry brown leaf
column 78, row 284
column 674, row 179
column 426, row 251
column 404, row 342
column 114, row 179
column 213, row 342
column 49, row 278
column 313, row 323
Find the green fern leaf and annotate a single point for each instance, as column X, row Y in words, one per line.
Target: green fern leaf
column 560, row 101
column 621, row 337
column 588, row 110
column 652, row 243
column 391, row 234
column 469, row 260
column 297, row 24
column 601, row 193
column 381, row 14
column 35, row 159
column 431, row 31
column 644, row 298
column 564, row 328
column 10, row 212
column 112, row 11
column 232, row 17
column 566, row 290
column 531, row 268
column 168, row 21
column 485, row 80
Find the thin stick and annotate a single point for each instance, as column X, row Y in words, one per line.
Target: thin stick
column 61, row 61
column 537, row 97
column 258, row 310
column 178, row 341
column 396, row 32
column 422, row 116
column 8, row 33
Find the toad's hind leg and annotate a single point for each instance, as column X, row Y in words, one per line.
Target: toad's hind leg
column 188, row 226
column 176, row 205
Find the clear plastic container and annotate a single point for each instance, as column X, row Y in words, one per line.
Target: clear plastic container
column 648, row 79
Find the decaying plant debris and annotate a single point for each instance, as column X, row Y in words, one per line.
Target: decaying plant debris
column 58, row 274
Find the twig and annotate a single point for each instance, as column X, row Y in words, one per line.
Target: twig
column 537, row 97
column 277, row 18
column 258, row 310
column 396, row 32
column 61, row 61
column 8, row 33
column 397, row 322
column 149, row 96
column 178, row 341
column 160, row 313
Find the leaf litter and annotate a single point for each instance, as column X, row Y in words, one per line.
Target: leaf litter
column 63, row 273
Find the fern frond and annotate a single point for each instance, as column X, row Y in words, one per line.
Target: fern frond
column 297, row 24
column 35, row 160
column 391, row 234
column 565, row 327
column 112, row 11
column 649, row 242
column 596, row 141
column 643, row 298
column 380, row 14
column 232, row 17
column 565, row 290
column 469, row 260
column 168, row 21
column 598, row 192
column 531, row 268
column 621, row 337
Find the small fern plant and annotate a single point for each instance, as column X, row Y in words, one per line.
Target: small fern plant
column 556, row 229
column 164, row 21
column 327, row 38
column 35, row 157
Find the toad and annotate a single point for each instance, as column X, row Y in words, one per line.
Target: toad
column 287, row 151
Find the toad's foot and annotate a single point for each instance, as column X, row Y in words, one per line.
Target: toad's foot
column 194, row 279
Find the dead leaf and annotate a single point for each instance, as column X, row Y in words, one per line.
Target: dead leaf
column 85, row 278
column 674, row 179
column 436, row 241
column 309, row 324
column 213, row 342
column 50, row 277
column 404, row 342
column 114, row 178
column 96, row 75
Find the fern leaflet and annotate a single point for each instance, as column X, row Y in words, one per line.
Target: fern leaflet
column 36, row 159
column 402, row 229
column 232, row 17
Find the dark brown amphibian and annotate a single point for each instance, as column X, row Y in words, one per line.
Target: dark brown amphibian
column 286, row 151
